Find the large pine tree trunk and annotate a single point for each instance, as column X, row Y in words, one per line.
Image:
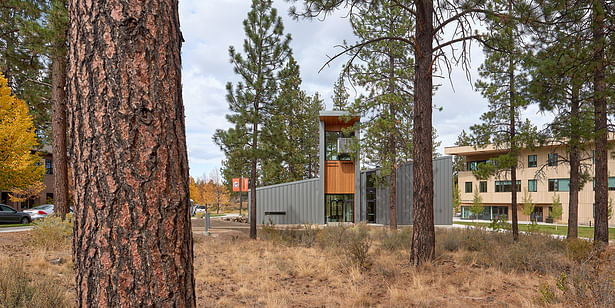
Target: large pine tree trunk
column 132, row 243
column 58, row 127
column 573, row 204
column 513, row 136
column 601, row 231
column 423, row 234
column 392, row 141
column 252, row 187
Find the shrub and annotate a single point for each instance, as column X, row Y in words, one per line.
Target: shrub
column 578, row 250
column 357, row 245
column 498, row 224
column 52, row 232
column 19, row 288
column 199, row 215
column 332, row 237
column 394, row 240
column 590, row 283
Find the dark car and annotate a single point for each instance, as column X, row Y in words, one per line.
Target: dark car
column 12, row 216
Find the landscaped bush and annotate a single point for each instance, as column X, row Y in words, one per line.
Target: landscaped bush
column 52, row 232
column 19, row 288
column 394, row 239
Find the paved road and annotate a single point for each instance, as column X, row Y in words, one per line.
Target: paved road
column 15, row 229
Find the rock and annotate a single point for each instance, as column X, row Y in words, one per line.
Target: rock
column 57, row 261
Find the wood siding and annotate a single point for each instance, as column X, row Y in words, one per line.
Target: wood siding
column 339, row 177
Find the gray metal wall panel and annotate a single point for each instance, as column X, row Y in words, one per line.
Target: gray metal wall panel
column 298, row 199
column 321, row 168
column 443, row 196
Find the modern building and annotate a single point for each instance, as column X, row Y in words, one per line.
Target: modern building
column 343, row 193
column 541, row 175
column 48, row 180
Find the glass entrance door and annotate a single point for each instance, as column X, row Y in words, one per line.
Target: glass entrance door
column 339, row 208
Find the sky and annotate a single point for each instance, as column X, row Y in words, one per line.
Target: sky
column 209, row 27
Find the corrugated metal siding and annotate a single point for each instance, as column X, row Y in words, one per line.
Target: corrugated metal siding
column 443, row 194
column 300, row 200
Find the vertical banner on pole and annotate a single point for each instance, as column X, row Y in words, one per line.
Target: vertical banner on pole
column 236, row 184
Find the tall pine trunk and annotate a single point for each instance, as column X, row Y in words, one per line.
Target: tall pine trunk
column 58, row 117
column 132, row 244
column 513, row 149
column 252, row 187
column 392, row 143
column 573, row 205
column 601, row 231
column 423, row 234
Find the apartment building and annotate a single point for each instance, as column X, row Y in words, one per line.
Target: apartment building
column 541, row 175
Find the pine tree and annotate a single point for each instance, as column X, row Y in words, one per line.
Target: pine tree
column 432, row 36
column 24, row 52
column 290, row 125
column 132, row 243
column 560, row 84
column 340, row 95
column 250, row 100
column 503, row 85
column 385, row 71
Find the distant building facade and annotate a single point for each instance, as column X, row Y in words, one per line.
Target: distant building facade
column 541, row 175
column 343, row 193
column 46, row 196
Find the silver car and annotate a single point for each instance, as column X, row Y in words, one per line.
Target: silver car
column 40, row 211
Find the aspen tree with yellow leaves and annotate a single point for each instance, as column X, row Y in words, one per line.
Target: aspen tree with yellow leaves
column 19, row 165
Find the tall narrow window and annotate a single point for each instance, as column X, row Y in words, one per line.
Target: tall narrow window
column 468, row 187
column 48, row 166
column 531, row 186
column 532, row 161
column 552, row 159
column 483, row 186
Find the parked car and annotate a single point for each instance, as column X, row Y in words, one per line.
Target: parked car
column 200, row 209
column 12, row 216
column 40, row 211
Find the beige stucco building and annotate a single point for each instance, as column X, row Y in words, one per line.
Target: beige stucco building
column 541, row 175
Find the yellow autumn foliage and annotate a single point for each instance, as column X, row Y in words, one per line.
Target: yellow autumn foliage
column 19, row 167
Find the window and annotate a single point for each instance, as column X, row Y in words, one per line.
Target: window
column 532, row 161
column 473, row 165
column 468, row 187
column 48, row 166
column 506, row 186
column 531, row 186
column 559, row 185
column 331, row 145
column 339, row 208
column 594, row 157
column 552, row 159
column 483, row 186
column 611, row 184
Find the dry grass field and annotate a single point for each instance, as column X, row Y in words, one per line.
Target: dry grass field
column 346, row 267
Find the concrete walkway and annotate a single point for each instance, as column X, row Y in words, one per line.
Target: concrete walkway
column 15, row 229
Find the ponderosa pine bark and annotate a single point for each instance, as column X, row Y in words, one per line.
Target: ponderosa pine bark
column 423, row 233
column 132, row 244
column 58, row 111
column 58, row 127
column 601, row 230
column 575, row 165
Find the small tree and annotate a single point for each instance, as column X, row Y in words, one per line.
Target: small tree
column 456, row 197
column 556, row 209
column 610, row 212
column 20, row 195
column 477, row 204
column 528, row 205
